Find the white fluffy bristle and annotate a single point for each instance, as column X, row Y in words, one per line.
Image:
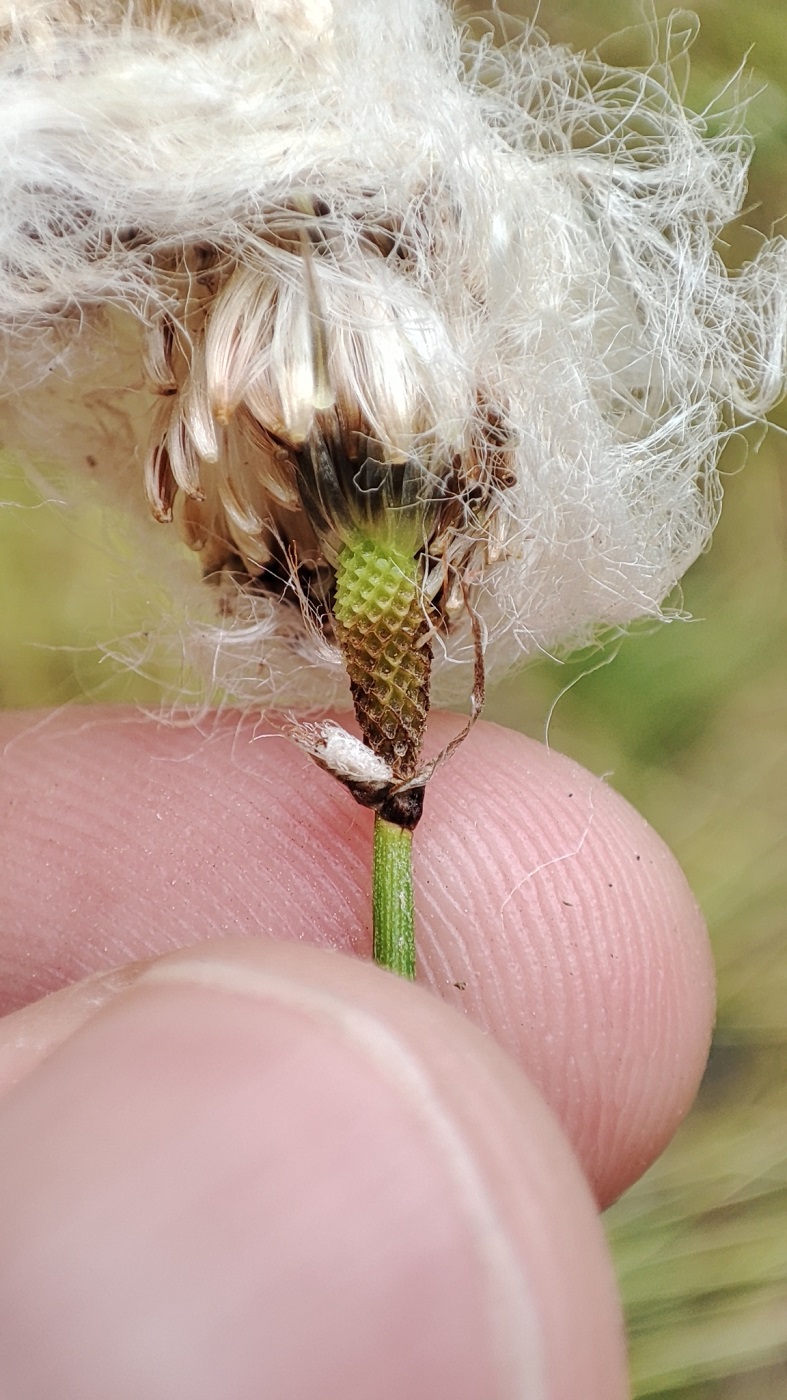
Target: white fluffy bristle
column 344, row 755
column 556, row 264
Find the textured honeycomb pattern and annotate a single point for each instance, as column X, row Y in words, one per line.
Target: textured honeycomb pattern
column 383, row 632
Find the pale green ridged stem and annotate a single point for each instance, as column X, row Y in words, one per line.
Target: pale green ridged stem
column 392, row 898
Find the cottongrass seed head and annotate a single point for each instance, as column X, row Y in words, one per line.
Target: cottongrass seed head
column 287, row 267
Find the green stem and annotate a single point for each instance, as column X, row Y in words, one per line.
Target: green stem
column 392, row 898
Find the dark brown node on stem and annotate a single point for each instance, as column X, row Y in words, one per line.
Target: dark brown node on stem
column 403, row 807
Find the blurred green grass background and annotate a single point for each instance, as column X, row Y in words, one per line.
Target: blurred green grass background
column 689, row 722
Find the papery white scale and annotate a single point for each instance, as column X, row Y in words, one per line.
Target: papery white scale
column 227, row 230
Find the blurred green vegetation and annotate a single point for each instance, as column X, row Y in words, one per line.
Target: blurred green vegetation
column 688, row 720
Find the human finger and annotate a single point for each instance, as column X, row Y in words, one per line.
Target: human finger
column 260, row 1169
column 548, row 911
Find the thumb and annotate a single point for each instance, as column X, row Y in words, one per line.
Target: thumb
column 255, row 1169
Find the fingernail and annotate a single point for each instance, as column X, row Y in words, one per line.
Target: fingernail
column 505, row 1300
column 27, row 1036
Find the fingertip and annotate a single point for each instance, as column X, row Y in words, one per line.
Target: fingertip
column 553, row 915
column 127, row 838
column 549, row 912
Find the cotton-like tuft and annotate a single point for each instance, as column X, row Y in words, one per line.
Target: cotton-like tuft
column 231, row 234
